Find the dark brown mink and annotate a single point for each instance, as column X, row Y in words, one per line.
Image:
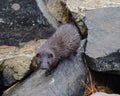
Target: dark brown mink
column 64, row 42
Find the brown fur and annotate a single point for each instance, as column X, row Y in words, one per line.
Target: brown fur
column 64, row 42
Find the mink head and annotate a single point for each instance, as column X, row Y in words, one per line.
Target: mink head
column 44, row 59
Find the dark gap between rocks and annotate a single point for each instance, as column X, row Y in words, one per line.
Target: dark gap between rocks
column 106, row 78
column 107, row 82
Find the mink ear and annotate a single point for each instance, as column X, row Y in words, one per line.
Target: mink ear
column 38, row 55
column 50, row 55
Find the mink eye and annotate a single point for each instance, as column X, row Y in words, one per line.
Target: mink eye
column 38, row 55
column 50, row 55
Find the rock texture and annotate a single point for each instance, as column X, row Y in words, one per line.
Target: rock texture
column 77, row 5
column 103, row 39
column 78, row 9
column 58, row 10
column 22, row 21
column 14, row 69
column 65, row 81
column 103, row 31
column 109, row 63
column 102, row 50
column 103, row 94
column 15, row 63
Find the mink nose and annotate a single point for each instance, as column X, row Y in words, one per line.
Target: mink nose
column 44, row 66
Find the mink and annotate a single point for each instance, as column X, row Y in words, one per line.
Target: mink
column 64, row 42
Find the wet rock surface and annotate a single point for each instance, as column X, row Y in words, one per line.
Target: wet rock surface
column 22, row 21
column 64, row 81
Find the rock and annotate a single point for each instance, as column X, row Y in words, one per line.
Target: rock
column 103, row 94
column 77, row 5
column 46, row 13
column 103, row 31
column 22, row 21
column 1, row 84
column 58, row 10
column 78, row 9
column 25, row 49
column 14, row 69
column 103, row 39
column 15, row 63
column 65, row 81
column 109, row 63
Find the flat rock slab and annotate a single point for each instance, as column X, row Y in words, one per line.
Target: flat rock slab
column 22, row 21
column 103, row 31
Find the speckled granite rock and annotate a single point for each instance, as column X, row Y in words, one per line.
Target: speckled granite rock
column 110, row 63
column 22, row 21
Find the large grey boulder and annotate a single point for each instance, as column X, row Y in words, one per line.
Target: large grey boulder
column 103, row 31
column 103, row 42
